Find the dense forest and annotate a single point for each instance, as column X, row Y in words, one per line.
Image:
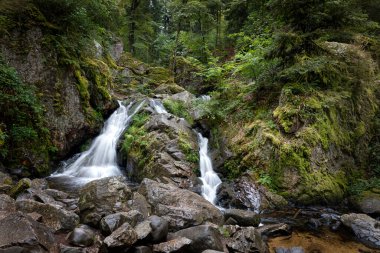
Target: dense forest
column 287, row 92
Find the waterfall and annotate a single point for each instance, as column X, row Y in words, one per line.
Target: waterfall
column 100, row 160
column 209, row 178
column 157, row 106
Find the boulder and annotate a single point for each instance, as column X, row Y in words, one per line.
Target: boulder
column 68, row 249
column 366, row 229
column 123, row 237
column 139, row 203
column 202, row 238
column 179, row 244
column 20, row 187
column 82, row 236
column 142, row 249
column 111, row 222
column 160, row 228
column 212, row 251
column 103, row 197
column 53, row 216
column 243, row 239
column 143, row 230
column 5, row 183
column 29, row 235
column 242, row 217
column 181, row 208
column 367, row 202
column 7, row 204
column 274, row 230
column 39, row 184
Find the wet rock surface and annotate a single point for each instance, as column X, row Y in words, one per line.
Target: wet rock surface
column 365, row 228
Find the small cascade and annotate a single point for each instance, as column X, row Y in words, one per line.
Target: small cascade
column 100, row 160
column 210, row 179
column 157, row 106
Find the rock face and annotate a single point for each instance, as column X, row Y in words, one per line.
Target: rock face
column 242, row 217
column 171, row 142
column 365, row 228
column 181, row 208
column 37, row 63
column 180, row 244
column 244, row 239
column 202, row 238
column 26, row 236
column 53, row 216
column 111, row 222
column 103, row 197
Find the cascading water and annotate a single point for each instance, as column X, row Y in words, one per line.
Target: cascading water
column 101, row 158
column 210, row 179
column 157, row 106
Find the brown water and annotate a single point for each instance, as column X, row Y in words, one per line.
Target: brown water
column 324, row 241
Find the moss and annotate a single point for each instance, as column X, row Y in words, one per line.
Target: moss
column 187, row 148
column 82, row 86
column 179, row 109
column 20, row 187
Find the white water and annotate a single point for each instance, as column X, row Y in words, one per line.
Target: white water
column 210, row 179
column 157, row 106
column 100, row 160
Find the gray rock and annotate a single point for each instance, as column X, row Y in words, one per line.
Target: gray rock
column 140, row 204
column 27, row 234
column 212, row 251
column 125, row 236
column 181, row 208
column 160, row 228
column 143, row 230
column 82, row 236
column 111, row 222
column 7, row 204
column 39, row 184
column 20, row 187
column 179, row 244
column 274, row 230
column 56, row 194
column 54, row 216
column 202, row 238
column 366, row 229
column 244, row 239
column 367, row 202
column 242, row 217
column 103, row 197
column 290, row 250
column 68, row 249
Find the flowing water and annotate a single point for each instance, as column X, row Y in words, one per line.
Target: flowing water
column 157, row 106
column 209, row 178
column 100, row 160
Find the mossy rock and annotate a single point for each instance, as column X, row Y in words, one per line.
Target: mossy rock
column 367, row 202
column 20, row 187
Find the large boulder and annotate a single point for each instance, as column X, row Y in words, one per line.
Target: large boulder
column 82, row 236
column 170, row 155
column 243, row 239
column 242, row 217
column 19, row 233
column 366, row 229
column 111, row 222
column 367, row 202
column 102, row 197
column 179, row 244
column 53, row 216
column 181, row 208
column 202, row 238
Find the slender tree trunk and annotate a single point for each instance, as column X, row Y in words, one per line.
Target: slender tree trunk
column 132, row 27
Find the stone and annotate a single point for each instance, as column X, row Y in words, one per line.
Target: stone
column 27, row 234
column 290, row 250
column 82, row 236
column 69, row 249
column 7, row 204
column 242, row 217
column 56, row 194
column 212, row 251
column 35, row 216
column 39, row 184
column 160, row 228
column 179, row 244
column 202, row 237
column 367, row 202
column 274, row 230
column 143, row 230
column 103, row 197
column 180, row 207
column 366, row 229
column 125, row 236
column 111, row 222
column 140, row 204
column 244, row 239
column 53, row 216
column 20, row 187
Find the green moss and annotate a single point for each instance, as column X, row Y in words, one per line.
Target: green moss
column 187, row 148
column 20, row 187
column 82, row 86
column 179, row 109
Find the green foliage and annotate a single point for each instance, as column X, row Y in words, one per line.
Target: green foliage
column 22, row 126
column 361, row 185
column 179, row 109
column 184, row 144
column 136, row 135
